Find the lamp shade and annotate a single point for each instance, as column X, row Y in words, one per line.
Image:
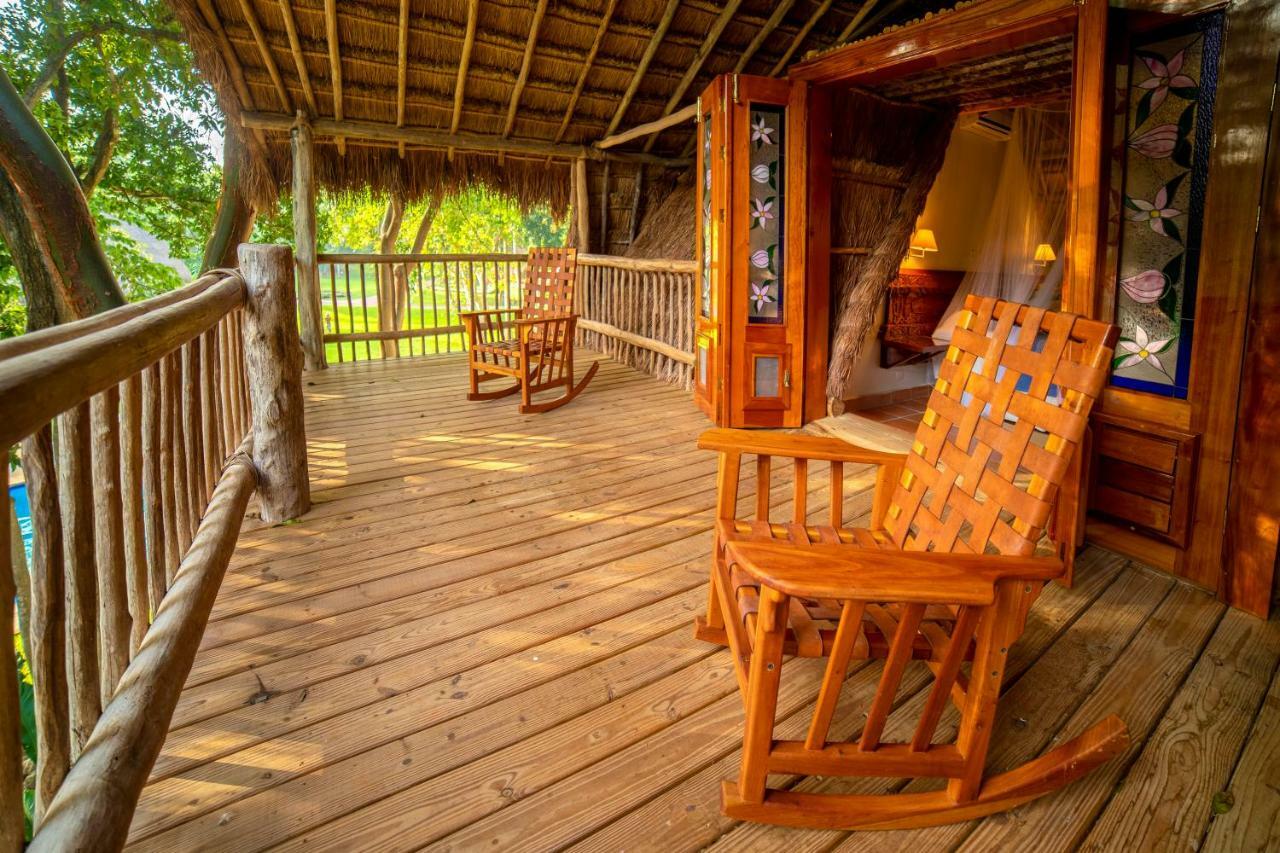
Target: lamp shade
column 924, row 241
column 1044, row 254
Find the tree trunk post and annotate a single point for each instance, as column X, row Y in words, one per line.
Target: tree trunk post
column 234, row 220
column 272, row 360
column 582, row 204
column 304, row 239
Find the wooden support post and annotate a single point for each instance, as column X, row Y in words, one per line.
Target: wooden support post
column 304, row 239
column 275, row 382
column 604, row 210
column 581, row 203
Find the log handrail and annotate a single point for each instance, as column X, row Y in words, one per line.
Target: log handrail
column 618, row 262
column 83, row 360
column 170, row 414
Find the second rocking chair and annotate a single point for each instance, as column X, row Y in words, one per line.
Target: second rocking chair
column 532, row 344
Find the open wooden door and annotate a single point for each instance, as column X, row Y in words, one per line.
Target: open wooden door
column 711, row 252
column 752, row 210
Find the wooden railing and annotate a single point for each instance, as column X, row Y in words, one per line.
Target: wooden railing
column 637, row 311
column 429, row 291
column 143, row 432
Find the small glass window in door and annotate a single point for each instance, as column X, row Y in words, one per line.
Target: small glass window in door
column 764, row 301
column 765, row 379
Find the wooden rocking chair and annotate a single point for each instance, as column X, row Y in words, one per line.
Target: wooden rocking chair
column 945, row 573
column 534, row 343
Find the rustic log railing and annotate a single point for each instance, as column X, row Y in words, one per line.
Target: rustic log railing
column 637, row 311
column 429, row 291
column 144, row 432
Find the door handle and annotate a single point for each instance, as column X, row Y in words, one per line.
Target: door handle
column 786, row 378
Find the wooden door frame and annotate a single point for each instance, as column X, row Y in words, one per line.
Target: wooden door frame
column 716, row 404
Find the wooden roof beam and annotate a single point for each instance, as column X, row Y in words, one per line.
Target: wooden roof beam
column 857, row 19
column 335, row 63
column 586, row 68
column 268, row 60
column 800, row 37
column 779, row 12
column 435, row 138
column 525, row 64
column 402, row 63
column 652, row 48
column 699, row 58
column 464, row 67
column 649, row 128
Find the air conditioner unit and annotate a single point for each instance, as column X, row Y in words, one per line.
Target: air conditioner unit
column 991, row 125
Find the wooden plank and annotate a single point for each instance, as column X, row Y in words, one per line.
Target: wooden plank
column 1167, row 798
column 1252, row 817
column 1138, row 689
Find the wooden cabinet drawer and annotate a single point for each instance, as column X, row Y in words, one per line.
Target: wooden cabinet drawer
column 1142, row 475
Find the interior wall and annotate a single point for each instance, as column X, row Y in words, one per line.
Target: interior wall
column 956, row 212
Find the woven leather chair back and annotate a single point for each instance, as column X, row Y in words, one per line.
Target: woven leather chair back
column 977, row 480
column 548, row 282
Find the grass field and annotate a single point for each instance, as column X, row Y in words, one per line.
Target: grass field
column 433, row 303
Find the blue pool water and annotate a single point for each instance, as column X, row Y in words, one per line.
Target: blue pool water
column 23, row 507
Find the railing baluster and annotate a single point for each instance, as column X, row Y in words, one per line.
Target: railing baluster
column 48, row 632
column 131, row 494
column 157, row 532
column 108, row 528
column 75, row 488
column 168, row 494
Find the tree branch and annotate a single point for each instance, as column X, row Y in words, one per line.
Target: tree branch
column 103, row 147
column 56, row 61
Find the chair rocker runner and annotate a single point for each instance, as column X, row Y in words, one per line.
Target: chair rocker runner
column 534, row 343
column 944, row 574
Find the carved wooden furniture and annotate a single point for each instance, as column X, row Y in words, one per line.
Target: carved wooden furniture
column 534, row 343
column 917, row 301
column 944, row 573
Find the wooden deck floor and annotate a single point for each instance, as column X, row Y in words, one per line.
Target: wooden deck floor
column 480, row 638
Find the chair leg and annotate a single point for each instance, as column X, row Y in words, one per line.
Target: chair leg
column 995, row 635
column 762, row 694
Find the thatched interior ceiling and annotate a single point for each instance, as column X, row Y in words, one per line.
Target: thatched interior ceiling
column 554, row 72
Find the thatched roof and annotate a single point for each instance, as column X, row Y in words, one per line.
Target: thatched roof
column 543, row 79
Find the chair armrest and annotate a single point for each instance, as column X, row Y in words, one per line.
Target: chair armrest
column 793, row 444
column 851, row 572
column 465, row 314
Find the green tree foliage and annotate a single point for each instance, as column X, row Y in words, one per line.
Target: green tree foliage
column 115, row 86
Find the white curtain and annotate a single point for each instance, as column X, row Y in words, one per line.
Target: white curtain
column 1029, row 208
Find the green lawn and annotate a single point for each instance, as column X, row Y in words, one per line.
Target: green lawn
column 349, row 312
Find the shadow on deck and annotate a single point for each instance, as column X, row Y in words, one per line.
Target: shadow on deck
column 481, row 637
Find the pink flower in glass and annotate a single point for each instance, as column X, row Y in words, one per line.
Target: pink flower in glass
column 1157, row 143
column 1141, row 349
column 761, row 211
column 760, row 259
column 761, row 132
column 1164, row 76
column 1154, row 212
column 1145, row 287
column 760, row 295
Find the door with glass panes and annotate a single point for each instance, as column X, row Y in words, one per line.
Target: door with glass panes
column 749, row 365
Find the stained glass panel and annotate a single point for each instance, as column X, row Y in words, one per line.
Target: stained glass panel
column 706, row 215
column 1172, row 80
column 764, row 298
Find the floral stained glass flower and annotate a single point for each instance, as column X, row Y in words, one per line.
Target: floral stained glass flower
column 1154, row 212
column 1165, row 76
column 1145, row 287
column 761, row 294
column 761, row 133
column 1142, row 349
column 1157, row 143
column 761, row 211
column 760, row 173
column 760, row 259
